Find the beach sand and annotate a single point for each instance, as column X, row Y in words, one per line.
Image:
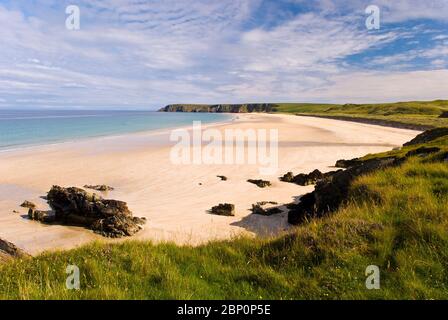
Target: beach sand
column 175, row 198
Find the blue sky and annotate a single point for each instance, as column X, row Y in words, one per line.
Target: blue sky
column 134, row 54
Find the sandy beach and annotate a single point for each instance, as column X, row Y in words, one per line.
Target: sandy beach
column 175, row 198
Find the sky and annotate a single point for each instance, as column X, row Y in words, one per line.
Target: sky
column 134, row 54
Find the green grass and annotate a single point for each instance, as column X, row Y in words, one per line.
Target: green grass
column 424, row 113
column 396, row 219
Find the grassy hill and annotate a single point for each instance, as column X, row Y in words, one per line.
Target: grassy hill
column 416, row 114
column 395, row 218
column 422, row 113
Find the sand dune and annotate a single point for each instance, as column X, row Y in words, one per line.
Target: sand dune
column 175, row 198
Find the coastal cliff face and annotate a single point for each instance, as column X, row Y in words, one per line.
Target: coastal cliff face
column 221, row 108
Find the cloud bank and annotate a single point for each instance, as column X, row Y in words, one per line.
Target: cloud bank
column 132, row 54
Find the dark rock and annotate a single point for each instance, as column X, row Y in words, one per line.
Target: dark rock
column 307, row 179
column 428, row 135
column 346, row 163
column 260, row 183
column 262, row 203
column 28, row 204
column 265, row 208
column 101, row 187
column 303, row 179
column 8, row 251
column 444, row 114
column 75, row 206
column 287, row 177
column 223, row 209
column 422, row 151
column 332, row 191
column 42, row 216
column 223, row 178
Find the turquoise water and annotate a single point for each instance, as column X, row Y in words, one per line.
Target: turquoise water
column 24, row 128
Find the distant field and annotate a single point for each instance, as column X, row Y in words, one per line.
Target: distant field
column 423, row 113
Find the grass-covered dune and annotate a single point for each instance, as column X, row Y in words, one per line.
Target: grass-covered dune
column 413, row 114
column 395, row 218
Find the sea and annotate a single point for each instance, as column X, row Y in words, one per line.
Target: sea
column 19, row 128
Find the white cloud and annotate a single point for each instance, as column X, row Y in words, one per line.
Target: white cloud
column 150, row 53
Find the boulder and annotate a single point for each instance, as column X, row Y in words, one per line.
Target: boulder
column 223, row 209
column 287, row 177
column 75, row 206
column 101, row 187
column 307, row 179
column 265, row 208
column 303, row 179
column 223, row 178
column 346, row 163
column 260, row 183
column 28, row 204
column 9, row 251
column 42, row 216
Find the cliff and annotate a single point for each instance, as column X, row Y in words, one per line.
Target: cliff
column 221, row 108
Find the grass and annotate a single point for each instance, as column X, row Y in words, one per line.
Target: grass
column 422, row 113
column 396, row 219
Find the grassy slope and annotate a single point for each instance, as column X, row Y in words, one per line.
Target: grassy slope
column 413, row 112
column 396, row 219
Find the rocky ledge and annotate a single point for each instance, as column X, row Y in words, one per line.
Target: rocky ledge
column 75, row 206
column 100, row 187
column 332, row 190
column 303, row 179
column 223, row 209
column 266, row 208
column 260, row 183
column 9, row 251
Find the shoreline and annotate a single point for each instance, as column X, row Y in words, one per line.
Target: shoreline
column 107, row 136
column 173, row 198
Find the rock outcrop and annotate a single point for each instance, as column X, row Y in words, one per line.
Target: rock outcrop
column 42, row 216
column 332, row 191
column 100, row 187
column 265, row 208
column 223, row 209
column 260, row 183
column 28, row 204
column 427, row 136
column 10, row 251
column 75, row 206
column 303, row 179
